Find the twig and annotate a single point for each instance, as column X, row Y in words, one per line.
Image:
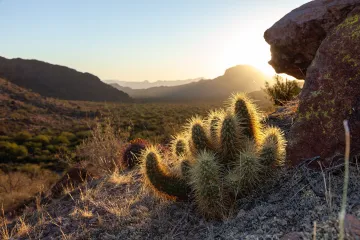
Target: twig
column 346, row 182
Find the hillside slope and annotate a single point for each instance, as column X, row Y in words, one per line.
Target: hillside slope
column 21, row 109
column 241, row 78
column 58, row 81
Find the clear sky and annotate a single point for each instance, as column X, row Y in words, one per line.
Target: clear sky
column 142, row 40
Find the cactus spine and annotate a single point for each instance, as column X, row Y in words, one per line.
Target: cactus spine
column 227, row 157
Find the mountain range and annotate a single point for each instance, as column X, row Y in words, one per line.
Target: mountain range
column 147, row 84
column 58, row 81
column 241, row 78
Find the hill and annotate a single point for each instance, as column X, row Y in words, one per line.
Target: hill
column 58, row 82
column 241, row 78
column 146, row 84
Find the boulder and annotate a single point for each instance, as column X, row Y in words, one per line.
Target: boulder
column 295, row 38
column 332, row 84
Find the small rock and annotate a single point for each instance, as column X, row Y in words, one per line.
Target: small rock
column 352, row 225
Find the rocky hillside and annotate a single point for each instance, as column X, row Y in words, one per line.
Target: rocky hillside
column 58, row 82
column 22, row 109
column 241, row 78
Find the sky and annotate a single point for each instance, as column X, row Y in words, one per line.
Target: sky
column 142, row 40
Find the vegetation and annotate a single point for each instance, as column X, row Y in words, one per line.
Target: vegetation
column 132, row 152
column 282, row 91
column 218, row 170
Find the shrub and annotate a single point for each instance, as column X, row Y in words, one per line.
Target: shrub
column 70, row 136
column 220, row 169
column 102, row 150
column 44, row 139
column 132, row 151
column 10, row 151
column 23, row 136
column 282, row 91
column 61, row 140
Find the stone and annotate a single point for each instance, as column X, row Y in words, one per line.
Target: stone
column 295, row 38
column 332, row 84
column 352, row 226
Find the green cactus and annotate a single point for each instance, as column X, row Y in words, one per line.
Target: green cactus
column 272, row 150
column 160, row 178
column 248, row 115
column 179, row 145
column 248, row 170
column 226, row 157
column 230, row 138
column 212, row 123
column 198, row 139
column 205, row 177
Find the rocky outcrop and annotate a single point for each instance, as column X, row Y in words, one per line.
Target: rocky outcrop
column 295, row 38
column 332, row 84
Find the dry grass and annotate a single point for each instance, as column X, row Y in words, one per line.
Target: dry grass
column 102, row 151
column 16, row 187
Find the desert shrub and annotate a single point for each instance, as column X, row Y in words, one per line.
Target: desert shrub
column 51, row 148
column 5, row 138
column 11, row 151
column 217, row 162
column 31, row 146
column 282, row 91
column 70, row 136
column 23, row 136
column 102, row 150
column 132, row 151
column 44, row 139
column 18, row 186
column 83, row 134
column 61, row 140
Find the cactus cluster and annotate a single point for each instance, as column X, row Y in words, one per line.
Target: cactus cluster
column 219, row 159
column 132, row 151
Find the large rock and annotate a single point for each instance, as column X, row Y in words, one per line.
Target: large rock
column 332, row 85
column 295, row 38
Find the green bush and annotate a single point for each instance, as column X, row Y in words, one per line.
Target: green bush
column 282, row 91
column 44, row 139
column 61, row 140
column 31, row 146
column 10, row 151
column 70, row 136
column 23, row 136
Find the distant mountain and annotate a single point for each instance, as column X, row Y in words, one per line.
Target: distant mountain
column 241, row 78
column 58, row 82
column 146, row 84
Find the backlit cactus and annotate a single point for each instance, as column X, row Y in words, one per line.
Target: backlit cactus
column 221, row 158
column 248, row 115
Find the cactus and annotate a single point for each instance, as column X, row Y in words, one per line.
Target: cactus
column 198, row 139
column 248, row 115
column 205, row 179
column 230, row 139
column 247, row 172
column 273, row 147
column 219, row 160
column 179, row 145
column 132, row 151
column 160, row 178
column 212, row 123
